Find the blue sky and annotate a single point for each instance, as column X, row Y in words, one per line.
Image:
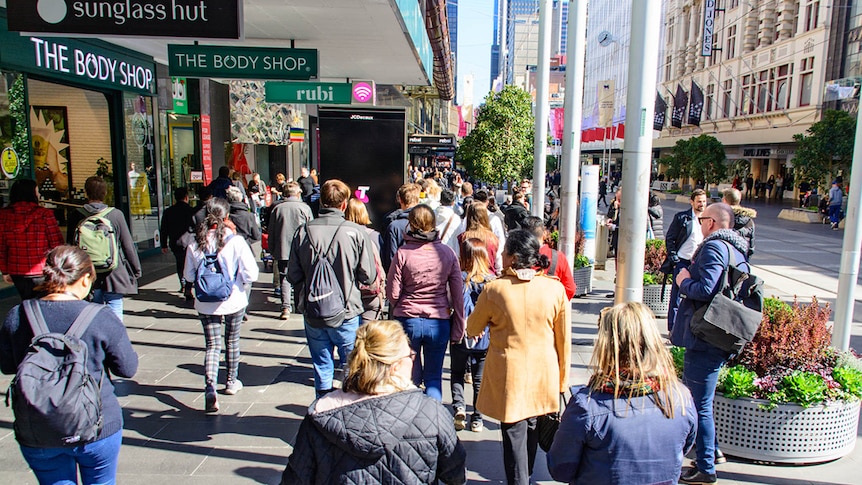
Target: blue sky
column 475, row 34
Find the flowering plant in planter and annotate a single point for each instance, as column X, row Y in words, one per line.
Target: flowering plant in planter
column 654, row 254
column 790, row 360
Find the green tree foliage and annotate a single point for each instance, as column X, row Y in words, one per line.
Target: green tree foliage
column 826, row 149
column 700, row 157
column 500, row 147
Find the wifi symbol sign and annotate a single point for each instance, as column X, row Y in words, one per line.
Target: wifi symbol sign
column 363, row 92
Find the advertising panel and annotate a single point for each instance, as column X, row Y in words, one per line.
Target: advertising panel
column 588, row 208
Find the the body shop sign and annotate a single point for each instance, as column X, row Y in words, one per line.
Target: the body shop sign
column 213, row 19
column 78, row 61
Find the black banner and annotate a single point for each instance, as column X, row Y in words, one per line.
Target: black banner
column 660, row 113
column 205, row 19
column 695, row 107
column 680, row 100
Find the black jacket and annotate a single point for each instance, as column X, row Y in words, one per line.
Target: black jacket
column 678, row 232
column 124, row 279
column 393, row 237
column 177, row 220
column 515, row 215
column 743, row 224
column 246, row 225
column 411, row 441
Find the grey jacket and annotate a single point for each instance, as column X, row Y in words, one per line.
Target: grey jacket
column 351, row 255
column 284, row 220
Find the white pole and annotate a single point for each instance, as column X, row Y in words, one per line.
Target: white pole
column 540, row 142
column 849, row 270
column 576, row 52
column 640, row 108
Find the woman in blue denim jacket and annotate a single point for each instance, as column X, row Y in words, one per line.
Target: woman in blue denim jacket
column 634, row 421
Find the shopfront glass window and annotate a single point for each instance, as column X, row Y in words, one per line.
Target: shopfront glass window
column 141, row 177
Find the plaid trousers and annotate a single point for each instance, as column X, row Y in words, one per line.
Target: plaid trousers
column 212, row 332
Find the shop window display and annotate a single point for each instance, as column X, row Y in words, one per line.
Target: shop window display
column 141, row 172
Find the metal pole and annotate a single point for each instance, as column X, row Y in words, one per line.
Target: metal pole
column 640, row 108
column 576, row 52
column 540, row 142
column 849, row 270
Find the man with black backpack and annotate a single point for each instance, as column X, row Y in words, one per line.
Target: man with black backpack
column 101, row 231
column 329, row 258
column 699, row 285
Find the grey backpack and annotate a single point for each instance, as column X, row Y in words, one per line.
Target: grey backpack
column 325, row 304
column 55, row 399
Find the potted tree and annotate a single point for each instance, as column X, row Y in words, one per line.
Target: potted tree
column 789, row 397
column 582, row 267
column 656, row 295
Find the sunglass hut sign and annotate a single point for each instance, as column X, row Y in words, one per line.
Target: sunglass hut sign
column 215, row 19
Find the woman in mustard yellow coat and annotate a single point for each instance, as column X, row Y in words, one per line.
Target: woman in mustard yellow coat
column 527, row 366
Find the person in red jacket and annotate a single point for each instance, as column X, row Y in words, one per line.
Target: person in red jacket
column 29, row 232
column 562, row 270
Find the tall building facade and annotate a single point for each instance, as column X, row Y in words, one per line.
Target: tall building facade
column 522, row 36
column 496, row 44
column 763, row 81
column 452, row 18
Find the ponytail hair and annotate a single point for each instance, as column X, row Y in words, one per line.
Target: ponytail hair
column 217, row 210
column 64, row 265
column 523, row 246
column 377, row 348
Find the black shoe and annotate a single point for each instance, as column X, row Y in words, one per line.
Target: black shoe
column 720, row 459
column 697, row 477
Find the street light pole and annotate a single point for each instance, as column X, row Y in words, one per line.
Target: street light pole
column 540, row 141
column 576, row 51
column 640, row 110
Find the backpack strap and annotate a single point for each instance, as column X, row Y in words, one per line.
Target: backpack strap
column 553, row 268
column 87, row 315
column 103, row 213
column 35, row 317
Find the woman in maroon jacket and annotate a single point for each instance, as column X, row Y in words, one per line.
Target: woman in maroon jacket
column 28, row 233
column 426, row 294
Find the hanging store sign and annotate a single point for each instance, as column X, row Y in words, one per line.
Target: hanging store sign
column 201, row 19
column 708, row 27
column 242, row 62
column 179, row 94
column 309, row 93
column 11, row 165
column 78, row 61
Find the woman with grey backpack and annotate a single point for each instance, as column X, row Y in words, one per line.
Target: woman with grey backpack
column 223, row 269
column 59, row 425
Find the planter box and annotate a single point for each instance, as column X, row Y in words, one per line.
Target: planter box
column 788, row 433
column 653, row 299
column 583, row 280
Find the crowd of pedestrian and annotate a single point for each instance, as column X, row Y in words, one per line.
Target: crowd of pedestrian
column 451, row 271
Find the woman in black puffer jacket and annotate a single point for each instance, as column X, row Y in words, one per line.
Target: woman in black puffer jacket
column 413, row 441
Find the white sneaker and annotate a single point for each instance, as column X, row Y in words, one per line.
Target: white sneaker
column 460, row 419
column 233, row 387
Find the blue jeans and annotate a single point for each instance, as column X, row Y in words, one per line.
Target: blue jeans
column 321, row 343
column 431, row 336
column 700, row 375
column 113, row 300
column 835, row 214
column 59, row 466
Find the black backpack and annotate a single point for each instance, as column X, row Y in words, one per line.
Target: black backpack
column 324, row 299
column 55, row 399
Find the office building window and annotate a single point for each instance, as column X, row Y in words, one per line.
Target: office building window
column 747, row 95
column 730, row 43
column 806, row 81
column 812, row 15
column 727, row 88
column 709, row 105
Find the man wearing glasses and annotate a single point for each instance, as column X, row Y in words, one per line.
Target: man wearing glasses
column 698, row 284
column 682, row 239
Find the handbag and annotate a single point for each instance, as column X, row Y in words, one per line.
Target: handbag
column 548, row 424
column 733, row 316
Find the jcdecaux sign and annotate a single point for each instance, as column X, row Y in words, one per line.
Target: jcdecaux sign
column 242, row 62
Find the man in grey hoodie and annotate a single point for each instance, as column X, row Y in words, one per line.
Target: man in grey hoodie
column 109, row 287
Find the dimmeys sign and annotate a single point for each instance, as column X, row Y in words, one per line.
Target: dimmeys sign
column 214, row 19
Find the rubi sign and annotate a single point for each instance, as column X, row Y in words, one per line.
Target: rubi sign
column 213, row 19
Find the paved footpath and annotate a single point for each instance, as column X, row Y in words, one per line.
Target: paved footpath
column 168, row 439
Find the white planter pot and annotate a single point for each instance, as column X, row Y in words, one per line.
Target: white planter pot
column 583, row 280
column 788, row 433
column 653, row 299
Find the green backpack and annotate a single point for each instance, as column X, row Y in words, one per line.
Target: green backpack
column 96, row 236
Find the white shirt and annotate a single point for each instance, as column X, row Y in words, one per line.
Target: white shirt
column 447, row 236
column 237, row 259
column 686, row 251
